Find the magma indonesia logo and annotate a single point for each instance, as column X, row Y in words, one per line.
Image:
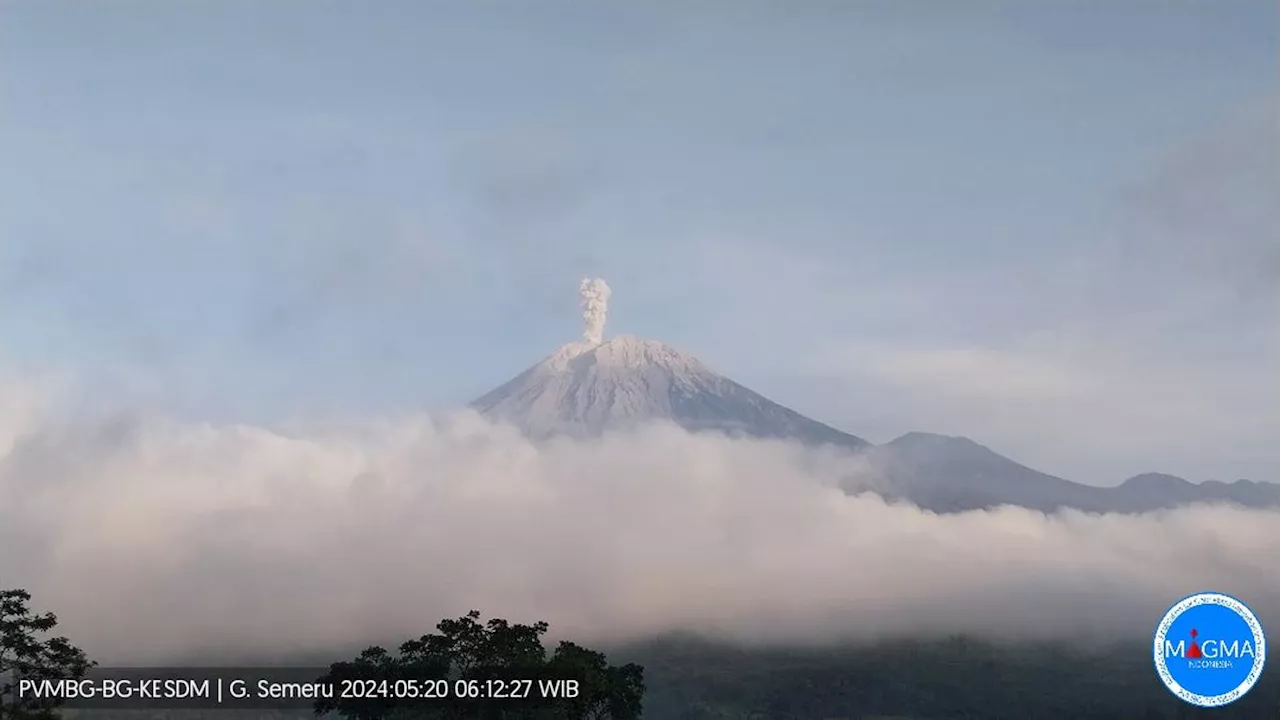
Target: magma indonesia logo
column 1209, row 649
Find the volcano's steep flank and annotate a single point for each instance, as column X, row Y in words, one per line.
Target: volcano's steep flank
column 585, row 389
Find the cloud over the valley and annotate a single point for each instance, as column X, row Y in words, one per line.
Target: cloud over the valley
column 155, row 540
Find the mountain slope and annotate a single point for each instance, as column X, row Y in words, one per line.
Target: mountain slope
column 1153, row 491
column 953, row 474
column 586, row 388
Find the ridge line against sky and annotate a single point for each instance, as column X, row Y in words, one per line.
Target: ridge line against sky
column 1049, row 227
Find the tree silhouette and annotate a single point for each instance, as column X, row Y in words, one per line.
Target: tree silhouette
column 472, row 653
column 607, row 692
column 24, row 656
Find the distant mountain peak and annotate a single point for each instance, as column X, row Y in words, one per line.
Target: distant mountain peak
column 583, row 389
column 622, row 355
column 948, row 447
column 594, row 385
column 628, row 351
column 1156, row 481
column 917, row 438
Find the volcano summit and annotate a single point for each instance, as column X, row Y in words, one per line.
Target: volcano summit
column 585, row 388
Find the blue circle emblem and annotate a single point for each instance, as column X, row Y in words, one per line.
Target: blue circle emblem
column 1209, row 649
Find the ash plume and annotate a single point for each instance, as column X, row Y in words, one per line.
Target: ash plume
column 594, row 299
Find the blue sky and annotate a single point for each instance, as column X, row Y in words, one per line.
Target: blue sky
column 1052, row 227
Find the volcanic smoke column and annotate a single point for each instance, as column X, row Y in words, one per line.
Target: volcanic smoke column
column 594, row 298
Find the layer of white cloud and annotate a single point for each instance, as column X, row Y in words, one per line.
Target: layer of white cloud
column 157, row 541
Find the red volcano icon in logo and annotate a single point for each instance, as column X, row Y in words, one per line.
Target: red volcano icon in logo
column 1193, row 652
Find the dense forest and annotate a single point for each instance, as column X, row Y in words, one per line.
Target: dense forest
column 683, row 678
column 688, row 679
column 918, row 680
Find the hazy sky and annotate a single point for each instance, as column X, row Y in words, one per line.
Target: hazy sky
column 1052, row 227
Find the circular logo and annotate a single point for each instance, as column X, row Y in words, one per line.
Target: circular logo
column 1209, row 649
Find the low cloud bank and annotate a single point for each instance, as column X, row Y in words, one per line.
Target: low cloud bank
column 157, row 541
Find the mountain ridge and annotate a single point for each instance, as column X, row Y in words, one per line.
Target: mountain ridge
column 584, row 389
column 954, row 474
column 594, row 385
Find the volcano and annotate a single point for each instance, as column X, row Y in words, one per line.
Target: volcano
column 584, row 389
column 593, row 386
